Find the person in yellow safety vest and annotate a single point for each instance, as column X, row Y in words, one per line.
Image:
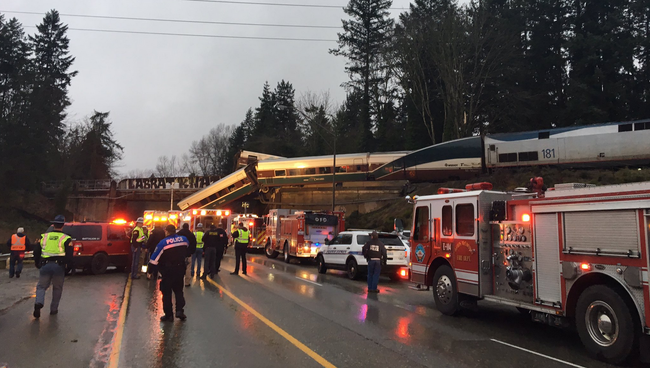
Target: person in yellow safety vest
column 197, row 257
column 241, row 238
column 52, row 257
column 138, row 241
column 18, row 244
column 233, row 229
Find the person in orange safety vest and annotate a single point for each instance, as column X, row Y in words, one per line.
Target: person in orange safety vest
column 18, row 244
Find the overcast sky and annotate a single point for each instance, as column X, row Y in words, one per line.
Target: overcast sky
column 163, row 92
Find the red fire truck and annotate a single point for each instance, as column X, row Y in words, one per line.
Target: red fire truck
column 576, row 255
column 302, row 233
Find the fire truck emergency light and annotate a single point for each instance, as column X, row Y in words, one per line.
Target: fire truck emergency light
column 227, row 213
column 119, row 221
column 203, row 212
column 447, row 255
column 525, row 217
column 164, row 219
column 218, row 213
column 585, row 266
column 173, row 217
column 187, row 218
column 148, row 217
column 156, row 218
column 195, row 212
column 250, row 223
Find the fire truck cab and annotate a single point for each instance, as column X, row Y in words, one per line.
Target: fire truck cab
column 301, row 234
column 578, row 255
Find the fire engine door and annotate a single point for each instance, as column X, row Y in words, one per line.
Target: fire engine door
column 421, row 247
column 460, row 216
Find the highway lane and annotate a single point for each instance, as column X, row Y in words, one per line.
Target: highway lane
column 332, row 316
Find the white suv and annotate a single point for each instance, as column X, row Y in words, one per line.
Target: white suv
column 344, row 253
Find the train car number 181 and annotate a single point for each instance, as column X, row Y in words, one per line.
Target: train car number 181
column 548, row 153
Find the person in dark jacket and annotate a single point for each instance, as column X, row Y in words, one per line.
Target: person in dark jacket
column 215, row 241
column 53, row 253
column 170, row 256
column 18, row 244
column 157, row 234
column 191, row 249
column 241, row 238
column 375, row 252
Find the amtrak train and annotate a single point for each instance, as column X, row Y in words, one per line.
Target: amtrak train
column 603, row 145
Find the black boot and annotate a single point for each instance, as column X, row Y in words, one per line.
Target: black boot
column 181, row 315
column 37, row 310
column 167, row 318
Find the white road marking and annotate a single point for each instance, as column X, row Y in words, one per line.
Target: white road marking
column 538, row 354
column 309, row 281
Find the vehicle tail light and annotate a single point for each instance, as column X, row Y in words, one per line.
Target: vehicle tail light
column 78, row 247
column 403, row 273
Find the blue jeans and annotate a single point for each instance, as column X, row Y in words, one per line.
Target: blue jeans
column 135, row 260
column 54, row 274
column 15, row 264
column 374, row 269
column 197, row 257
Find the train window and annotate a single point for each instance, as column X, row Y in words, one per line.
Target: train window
column 508, row 157
column 310, row 171
column 325, row 170
column 543, row 135
column 421, row 231
column 528, row 156
column 341, row 169
column 625, row 128
column 465, row 219
column 493, row 147
column 446, row 220
column 280, row 173
column 293, row 172
column 641, row 126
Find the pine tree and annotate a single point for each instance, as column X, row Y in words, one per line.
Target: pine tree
column 49, row 96
column 364, row 42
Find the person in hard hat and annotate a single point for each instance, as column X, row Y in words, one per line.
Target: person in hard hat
column 191, row 249
column 18, row 244
column 241, row 238
column 52, row 255
column 138, row 241
column 197, row 257
column 170, row 257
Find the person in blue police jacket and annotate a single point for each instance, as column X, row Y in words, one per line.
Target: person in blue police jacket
column 169, row 257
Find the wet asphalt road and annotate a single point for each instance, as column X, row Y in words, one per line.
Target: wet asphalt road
column 329, row 314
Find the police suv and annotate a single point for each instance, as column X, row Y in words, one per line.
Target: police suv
column 344, row 253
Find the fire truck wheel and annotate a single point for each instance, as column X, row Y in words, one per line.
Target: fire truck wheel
column 320, row 264
column 444, row 291
column 287, row 257
column 270, row 253
column 99, row 263
column 605, row 324
column 353, row 269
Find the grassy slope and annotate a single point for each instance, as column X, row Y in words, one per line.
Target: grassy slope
column 502, row 180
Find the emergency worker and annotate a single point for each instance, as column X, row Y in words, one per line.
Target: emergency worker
column 375, row 252
column 18, row 244
column 157, row 234
column 241, row 239
column 191, row 249
column 170, row 257
column 216, row 240
column 138, row 241
column 51, row 256
column 198, row 254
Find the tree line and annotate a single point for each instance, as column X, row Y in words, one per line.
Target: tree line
column 37, row 142
column 443, row 71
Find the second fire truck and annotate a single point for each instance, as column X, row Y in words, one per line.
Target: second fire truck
column 301, row 233
column 576, row 256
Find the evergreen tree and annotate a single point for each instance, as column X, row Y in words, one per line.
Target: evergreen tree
column 364, row 42
column 49, row 95
column 98, row 152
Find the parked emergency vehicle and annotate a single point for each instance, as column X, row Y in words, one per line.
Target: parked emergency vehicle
column 256, row 229
column 272, row 222
column 206, row 217
column 577, row 255
column 302, row 233
column 163, row 218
